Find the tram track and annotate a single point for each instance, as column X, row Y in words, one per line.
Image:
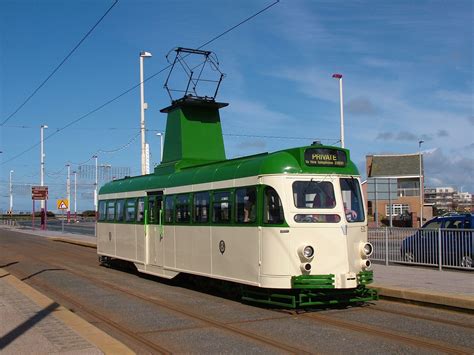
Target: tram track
column 155, row 301
column 77, row 256
column 389, row 334
column 423, row 317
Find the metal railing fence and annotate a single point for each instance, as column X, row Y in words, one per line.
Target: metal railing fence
column 441, row 248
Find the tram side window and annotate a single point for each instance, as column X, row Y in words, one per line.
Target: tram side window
column 273, row 208
column 245, row 204
column 221, row 207
column 169, row 207
column 130, row 210
column 140, row 210
column 102, row 210
column 119, row 206
column 152, row 211
column 201, row 207
column 183, row 212
column 110, row 210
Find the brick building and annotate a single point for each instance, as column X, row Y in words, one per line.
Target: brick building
column 405, row 172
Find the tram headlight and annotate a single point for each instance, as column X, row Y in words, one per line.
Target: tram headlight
column 366, row 264
column 306, row 252
column 366, row 249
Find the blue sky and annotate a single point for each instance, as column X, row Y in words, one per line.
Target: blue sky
column 407, row 66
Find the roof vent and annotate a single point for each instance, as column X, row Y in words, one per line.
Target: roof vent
column 316, row 143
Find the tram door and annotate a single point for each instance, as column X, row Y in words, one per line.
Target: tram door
column 154, row 229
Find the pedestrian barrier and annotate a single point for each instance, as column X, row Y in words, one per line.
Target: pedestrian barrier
column 441, row 248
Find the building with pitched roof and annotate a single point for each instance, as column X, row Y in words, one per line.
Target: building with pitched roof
column 404, row 172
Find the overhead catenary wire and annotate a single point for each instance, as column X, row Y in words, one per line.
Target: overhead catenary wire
column 133, row 87
column 59, row 65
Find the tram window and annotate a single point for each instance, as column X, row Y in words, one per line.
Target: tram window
column 141, row 210
column 353, row 205
column 221, row 207
column 317, row 218
column 110, row 210
column 130, row 207
column 152, row 211
column 183, row 213
column 201, row 207
column 313, row 194
column 119, row 205
column 245, row 205
column 273, row 208
column 102, row 210
column 169, row 207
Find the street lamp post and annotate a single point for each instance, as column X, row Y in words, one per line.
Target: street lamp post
column 339, row 77
column 143, row 107
column 95, row 192
column 421, row 183
column 11, row 193
column 75, row 195
column 161, row 135
column 68, row 193
column 43, row 212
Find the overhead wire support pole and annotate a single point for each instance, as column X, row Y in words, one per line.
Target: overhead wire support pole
column 68, row 192
column 341, row 102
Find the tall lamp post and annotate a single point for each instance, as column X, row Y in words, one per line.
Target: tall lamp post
column 43, row 212
column 68, row 192
column 161, row 135
column 143, row 107
column 75, row 195
column 95, row 193
column 339, row 77
column 421, row 183
column 11, row 193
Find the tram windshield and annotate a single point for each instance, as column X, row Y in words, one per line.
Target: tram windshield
column 313, row 194
column 353, row 204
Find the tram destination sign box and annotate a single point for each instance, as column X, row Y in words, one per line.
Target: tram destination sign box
column 39, row 192
column 325, row 157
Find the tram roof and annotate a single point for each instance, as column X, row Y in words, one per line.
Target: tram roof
column 289, row 161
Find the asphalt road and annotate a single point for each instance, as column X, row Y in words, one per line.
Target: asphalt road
column 152, row 315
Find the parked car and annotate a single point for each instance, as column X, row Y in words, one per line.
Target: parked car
column 454, row 233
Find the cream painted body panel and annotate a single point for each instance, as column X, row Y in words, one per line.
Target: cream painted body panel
column 262, row 256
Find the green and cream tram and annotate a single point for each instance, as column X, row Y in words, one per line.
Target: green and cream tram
column 289, row 226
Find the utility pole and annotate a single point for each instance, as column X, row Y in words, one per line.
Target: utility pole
column 68, row 192
column 75, row 195
column 421, row 183
column 143, row 107
column 11, row 194
column 44, row 213
column 339, row 77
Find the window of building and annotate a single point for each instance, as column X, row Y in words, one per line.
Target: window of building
column 140, row 210
column 102, row 210
column 221, row 207
column 183, row 212
column 246, row 205
column 272, row 207
column 398, row 209
column 169, row 208
column 110, row 210
column 119, row 206
column 130, row 207
column 201, row 207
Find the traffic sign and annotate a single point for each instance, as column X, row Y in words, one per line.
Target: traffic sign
column 62, row 204
column 39, row 192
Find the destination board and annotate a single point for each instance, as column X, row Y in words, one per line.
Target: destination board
column 325, row 157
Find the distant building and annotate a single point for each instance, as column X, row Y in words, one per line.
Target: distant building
column 448, row 199
column 386, row 173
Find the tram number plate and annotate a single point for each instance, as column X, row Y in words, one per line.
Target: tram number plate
column 325, row 157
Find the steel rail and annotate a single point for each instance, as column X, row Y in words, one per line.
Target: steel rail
column 390, row 334
column 163, row 303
